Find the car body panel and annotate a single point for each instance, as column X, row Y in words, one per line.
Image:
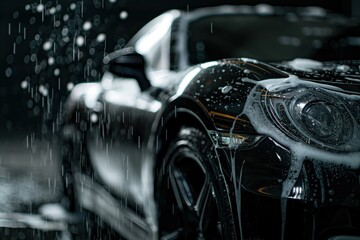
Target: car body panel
column 121, row 144
column 125, row 131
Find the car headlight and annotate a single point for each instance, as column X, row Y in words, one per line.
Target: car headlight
column 324, row 120
column 311, row 115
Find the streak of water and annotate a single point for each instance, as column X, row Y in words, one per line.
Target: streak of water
column 237, row 187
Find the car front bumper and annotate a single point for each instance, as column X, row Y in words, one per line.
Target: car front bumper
column 323, row 201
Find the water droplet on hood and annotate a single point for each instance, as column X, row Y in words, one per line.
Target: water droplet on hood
column 226, row 89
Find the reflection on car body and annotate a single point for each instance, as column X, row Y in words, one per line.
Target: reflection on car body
column 176, row 144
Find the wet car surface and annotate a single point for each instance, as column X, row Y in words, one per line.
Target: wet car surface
column 232, row 149
column 225, row 149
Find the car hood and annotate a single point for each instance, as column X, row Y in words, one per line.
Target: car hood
column 222, row 88
column 343, row 74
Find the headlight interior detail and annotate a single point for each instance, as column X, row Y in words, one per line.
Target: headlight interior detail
column 313, row 116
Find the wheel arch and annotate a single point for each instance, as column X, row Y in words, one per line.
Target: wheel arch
column 183, row 112
column 187, row 112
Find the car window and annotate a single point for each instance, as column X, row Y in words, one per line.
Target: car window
column 272, row 38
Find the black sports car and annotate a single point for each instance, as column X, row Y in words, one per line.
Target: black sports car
column 173, row 143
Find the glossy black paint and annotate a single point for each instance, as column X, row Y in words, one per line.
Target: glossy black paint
column 262, row 171
column 133, row 129
column 123, row 131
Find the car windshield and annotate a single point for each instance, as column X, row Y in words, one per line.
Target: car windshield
column 272, row 38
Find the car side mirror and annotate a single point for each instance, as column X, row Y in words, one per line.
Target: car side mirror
column 128, row 63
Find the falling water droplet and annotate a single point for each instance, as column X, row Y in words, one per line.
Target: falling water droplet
column 47, row 45
column 70, row 86
column 124, row 15
column 24, row 84
column 80, row 41
column 8, row 72
column 52, row 10
column 101, row 37
column 87, row 26
column 40, row 7
column 72, row 6
column 94, row 118
column 51, row 61
column 64, row 31
column 66, row 17
column 57, row 72
column 43, row 90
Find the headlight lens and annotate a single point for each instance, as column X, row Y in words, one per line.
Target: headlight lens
column 312, row 116
column 322, row 119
